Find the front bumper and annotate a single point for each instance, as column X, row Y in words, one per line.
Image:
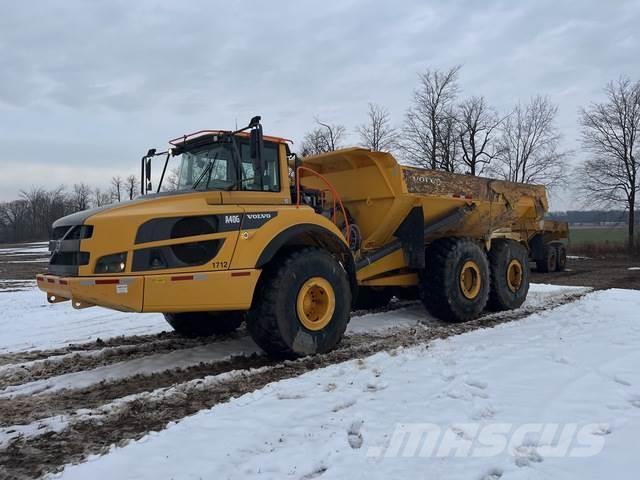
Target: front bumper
column 187, row 292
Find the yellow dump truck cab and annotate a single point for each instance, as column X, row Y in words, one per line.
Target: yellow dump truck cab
column 252, row 233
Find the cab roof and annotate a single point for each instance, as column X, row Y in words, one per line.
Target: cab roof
column 201, row 135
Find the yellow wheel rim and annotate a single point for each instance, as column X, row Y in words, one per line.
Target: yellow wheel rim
column 514, row 275
column 316, row 303
column 470, row 279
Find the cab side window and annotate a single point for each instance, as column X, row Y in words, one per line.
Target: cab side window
column 269, row 181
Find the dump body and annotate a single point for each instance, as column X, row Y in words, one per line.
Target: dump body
column 379, row 194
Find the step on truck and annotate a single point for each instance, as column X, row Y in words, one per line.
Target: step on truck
column 252, row 233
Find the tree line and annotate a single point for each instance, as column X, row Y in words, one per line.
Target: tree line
column 31, row 215
column 594, row 217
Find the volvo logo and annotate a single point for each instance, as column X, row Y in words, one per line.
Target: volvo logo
column 258, row 216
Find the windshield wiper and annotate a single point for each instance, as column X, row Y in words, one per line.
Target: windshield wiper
column 208, row 169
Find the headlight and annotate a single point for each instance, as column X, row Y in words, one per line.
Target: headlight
column 115, row 263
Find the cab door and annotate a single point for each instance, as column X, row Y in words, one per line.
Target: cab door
column 272, row 189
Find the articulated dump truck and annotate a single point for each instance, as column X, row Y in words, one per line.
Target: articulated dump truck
column 290, row 246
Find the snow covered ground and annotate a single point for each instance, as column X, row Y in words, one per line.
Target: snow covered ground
column 482, row 405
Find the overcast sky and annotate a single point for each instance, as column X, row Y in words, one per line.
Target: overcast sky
column 87, row 87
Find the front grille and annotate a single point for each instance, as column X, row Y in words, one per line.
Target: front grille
column 64, row 246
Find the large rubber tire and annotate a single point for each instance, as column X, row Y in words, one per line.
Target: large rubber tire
column 509, row 264
column 440, row 282
column 561, row 257
column 274, row 322
column 548, row 262
column 204, row 324
column 369, row 298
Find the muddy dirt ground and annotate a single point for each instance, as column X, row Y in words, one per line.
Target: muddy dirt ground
column 21, row 261
column 599, row 273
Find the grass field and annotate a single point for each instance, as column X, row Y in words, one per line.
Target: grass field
column 615, row 235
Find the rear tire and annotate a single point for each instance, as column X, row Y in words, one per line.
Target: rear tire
column 302, row 304
column 204, row 324
column 369, row 298
column 548, row 262
column 454, row 286
column 509, row 263
column 561, row 257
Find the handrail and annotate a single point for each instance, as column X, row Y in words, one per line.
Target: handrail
column 187, row 136
column 335, row 197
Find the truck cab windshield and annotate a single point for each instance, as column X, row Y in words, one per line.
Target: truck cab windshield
column 214, row 167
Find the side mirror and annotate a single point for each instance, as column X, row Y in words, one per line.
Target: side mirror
column 256, row 147
column 148, row 174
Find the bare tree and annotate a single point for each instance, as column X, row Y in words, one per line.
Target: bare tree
column 117, row 186
column 477, row 124
column 449, row 143
column 80, row 196
column 426, row 139
column 101, row 197
column 324, row 138
column 170, row 183
column 611, row 133
column 313, row 143
column 131, row 186
column 528, row 147
column 43, row 207
column 13, row 219
column 377, row 134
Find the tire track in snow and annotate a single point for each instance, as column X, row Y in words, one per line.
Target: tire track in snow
column 122, row 341
column 152, row 411
column 88, row 358
column 23, row 367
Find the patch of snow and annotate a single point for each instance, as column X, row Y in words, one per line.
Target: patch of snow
column 28, row 321
column 540, row 295
column 39, row 260
column 26, row 249
column 34, row 429
column 575, row 364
